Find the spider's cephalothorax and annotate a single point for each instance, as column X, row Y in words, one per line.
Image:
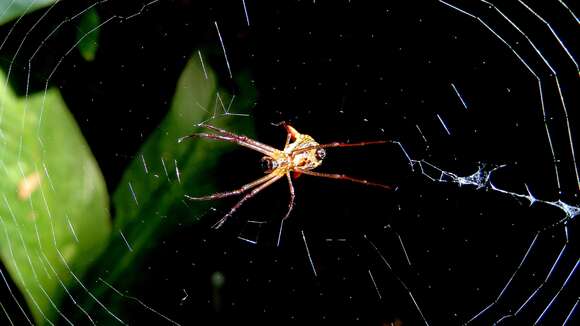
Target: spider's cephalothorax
column 301, row 155
column 269, row 164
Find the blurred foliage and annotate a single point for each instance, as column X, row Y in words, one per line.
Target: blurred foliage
column 149, row 201
column 54, row 215
column 11, row 9
column 88, row 34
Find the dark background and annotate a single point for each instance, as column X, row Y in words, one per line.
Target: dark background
column 341, row 71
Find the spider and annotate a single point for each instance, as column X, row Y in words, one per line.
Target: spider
column 301, row 155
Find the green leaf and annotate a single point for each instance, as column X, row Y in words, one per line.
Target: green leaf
column 10, row 9
column 149, row 201
column 88, row 34
column 150, row 187
column 54, row 216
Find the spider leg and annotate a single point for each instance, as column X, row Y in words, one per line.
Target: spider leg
column 288, row 138
column 345, row 177
column 292, row 133
column 239, row 137
column 364, row 143
column 289, row 135
column 238, row 191
column 219, row 130
column 246, row 197
column 290, row 206
column 240, row 140
column 338, row 144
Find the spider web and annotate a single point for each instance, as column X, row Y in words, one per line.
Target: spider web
column 479, row 99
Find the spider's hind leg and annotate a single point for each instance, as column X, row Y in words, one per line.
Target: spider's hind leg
column 238, row 191
column 246, row 197
column 290, row 206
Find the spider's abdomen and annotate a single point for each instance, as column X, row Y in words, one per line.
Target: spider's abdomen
column 306, row 160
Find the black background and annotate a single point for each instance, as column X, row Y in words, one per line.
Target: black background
column 341, row 71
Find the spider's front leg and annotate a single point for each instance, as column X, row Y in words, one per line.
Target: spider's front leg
column 227, row 136
column 292, row 133
column 346, row 177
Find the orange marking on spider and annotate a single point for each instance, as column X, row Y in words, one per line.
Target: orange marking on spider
column 301, row 155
